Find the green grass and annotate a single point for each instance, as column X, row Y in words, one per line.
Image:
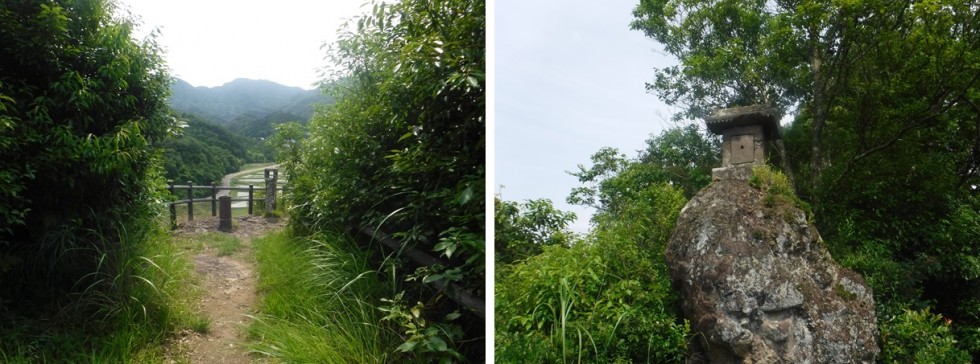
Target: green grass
column 225, row 244
column 122, row 313
column 317, row 302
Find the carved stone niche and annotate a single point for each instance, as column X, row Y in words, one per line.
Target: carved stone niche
column 744, row 132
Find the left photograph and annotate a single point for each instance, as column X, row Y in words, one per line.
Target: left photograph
column 242, row 181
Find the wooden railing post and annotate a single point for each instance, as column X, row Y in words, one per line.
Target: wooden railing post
column 214, row 200
column 190, row 201
column 251, row 193
column 173, row 205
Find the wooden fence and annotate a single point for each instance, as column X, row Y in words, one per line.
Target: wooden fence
column 270, row 189
column 469, row 300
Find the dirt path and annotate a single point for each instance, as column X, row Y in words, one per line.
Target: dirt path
column 229, row 284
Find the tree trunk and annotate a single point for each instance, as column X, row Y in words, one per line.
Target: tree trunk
column 819, row 116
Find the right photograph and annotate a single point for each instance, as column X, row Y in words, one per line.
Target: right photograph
column 737, row 182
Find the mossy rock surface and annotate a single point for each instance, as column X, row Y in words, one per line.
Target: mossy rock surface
column 759, row 285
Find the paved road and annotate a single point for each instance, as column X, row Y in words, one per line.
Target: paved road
column 226, row 181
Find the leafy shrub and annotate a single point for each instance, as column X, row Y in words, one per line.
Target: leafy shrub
column 83, row 107
column 919, row 337
column 603, row 299
column 402, row 149
column 776, row 188
column 85, row 273
column 521, row 229
column 568, row 303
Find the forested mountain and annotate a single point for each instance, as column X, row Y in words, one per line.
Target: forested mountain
column 261, row 126
column 207, row 151
column 226, row 125
column 244, row 98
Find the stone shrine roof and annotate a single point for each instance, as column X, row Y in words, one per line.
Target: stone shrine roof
column 764, row 115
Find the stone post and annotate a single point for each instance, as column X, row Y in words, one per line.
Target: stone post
column 251, row 198
column 224, row 215
column 190, row 201
column 173, row 205
column 270, row 189
column 214, row 199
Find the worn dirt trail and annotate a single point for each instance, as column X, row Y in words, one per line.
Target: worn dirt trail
column 229, row 284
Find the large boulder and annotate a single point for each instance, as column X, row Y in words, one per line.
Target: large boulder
column 759, row 286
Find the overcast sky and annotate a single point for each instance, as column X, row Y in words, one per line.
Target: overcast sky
column 211, row 42
column 570, row 79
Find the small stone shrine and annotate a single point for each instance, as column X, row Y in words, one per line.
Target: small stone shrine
column 745, row 132
column 756, row 281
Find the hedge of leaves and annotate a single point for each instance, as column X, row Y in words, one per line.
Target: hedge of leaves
column 402, row 151
column 81, row 107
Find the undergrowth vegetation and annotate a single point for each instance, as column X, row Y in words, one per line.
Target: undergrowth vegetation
column 318, row 302
column 605, row 296
column 123, row 312
column 401, row 154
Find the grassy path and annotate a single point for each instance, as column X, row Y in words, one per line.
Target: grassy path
column 269, row 296
column 225, row 266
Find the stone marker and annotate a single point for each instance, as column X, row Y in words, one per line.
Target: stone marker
column 744, row 131
column 224, row 213
column 270, row 189
column 757, row 282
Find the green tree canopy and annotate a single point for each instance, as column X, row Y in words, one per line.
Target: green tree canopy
column 403, row 151
column 82, row 107
column 882, row 68
column 681, row 157
column 521, row 230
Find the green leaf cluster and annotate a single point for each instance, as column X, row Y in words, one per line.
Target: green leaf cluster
column 402, row 150
column 776, row 188
column 522, row 229
column 85, row 275
column 919, row 337
column 82, row 109
column 604, row 297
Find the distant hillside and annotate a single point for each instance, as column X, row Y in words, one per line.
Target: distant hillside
column 260, row 127
column 244, row 98
column 205, row 152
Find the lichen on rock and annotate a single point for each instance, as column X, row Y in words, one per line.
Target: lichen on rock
column 759, row 286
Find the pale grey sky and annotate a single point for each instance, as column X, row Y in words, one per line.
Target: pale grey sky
column 569, row 79
column 211, row 42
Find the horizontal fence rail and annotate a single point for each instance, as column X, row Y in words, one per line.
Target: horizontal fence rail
column 270, row 189
column 469, row 300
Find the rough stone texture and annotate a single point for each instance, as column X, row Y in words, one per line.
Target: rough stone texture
column 741, row 173
column 759, row 286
